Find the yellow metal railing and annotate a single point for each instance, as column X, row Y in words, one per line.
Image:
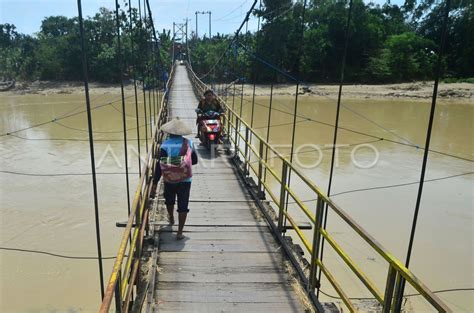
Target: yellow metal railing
column 124, row 275
column 239, row 133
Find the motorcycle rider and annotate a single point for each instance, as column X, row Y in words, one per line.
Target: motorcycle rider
column 206, row 104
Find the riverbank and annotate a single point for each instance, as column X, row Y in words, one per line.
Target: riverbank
column 61, row 87
column 409, row 91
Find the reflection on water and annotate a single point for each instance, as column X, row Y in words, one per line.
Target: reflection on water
column 55, row 214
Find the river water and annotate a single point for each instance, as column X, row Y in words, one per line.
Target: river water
column 55, row 214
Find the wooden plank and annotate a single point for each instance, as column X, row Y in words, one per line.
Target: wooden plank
column 226, row 307
column 221, row 246
column 198, row 236
column 226, row 292
column 223, row 258
column 192, row 221
column 190, row 228
column 215, row 171
column 223, row 274
column 222, row 215
column 215, row 207
column 218, row 191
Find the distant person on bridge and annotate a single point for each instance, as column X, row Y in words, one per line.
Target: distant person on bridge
column 175, row 160
column 207, row 104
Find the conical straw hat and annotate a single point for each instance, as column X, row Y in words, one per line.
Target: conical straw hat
column 176, row 127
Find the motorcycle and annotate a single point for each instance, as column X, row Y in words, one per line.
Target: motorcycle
column 210, row 127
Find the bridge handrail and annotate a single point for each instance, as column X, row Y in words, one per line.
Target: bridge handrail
column 396, row 271
column 121, row 282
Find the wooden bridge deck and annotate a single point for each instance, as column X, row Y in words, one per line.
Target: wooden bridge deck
column 229, row 260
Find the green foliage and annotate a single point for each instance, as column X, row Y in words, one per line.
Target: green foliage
column 387, row 43
column 55, row 53
column 403, row 57
column 452, row 80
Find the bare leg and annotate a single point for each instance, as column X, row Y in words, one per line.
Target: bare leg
column 170, row 209
column 182, row 221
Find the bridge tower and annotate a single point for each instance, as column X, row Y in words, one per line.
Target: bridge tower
column 180, row 41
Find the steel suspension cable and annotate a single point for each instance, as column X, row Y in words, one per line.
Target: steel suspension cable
column 150, row 16
column 148, row 54
column 364, row 133
column 149, row 109
column 296, row 79
column 74, row 257
column 56, row 119
column 268, row 128
column 91, row 146
column 124, row 122
column 69, row 139
column 142, row 28
column 234, row 39
column 407, row 143
column 153, row 77
column 156, row 57
column 154, row 100
column 255, row 77
column 336, row 128
column 295, row 112
column 401, row 285
column 134, row 64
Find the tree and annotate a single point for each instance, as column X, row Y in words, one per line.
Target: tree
column 8, row 35
column 404, row 57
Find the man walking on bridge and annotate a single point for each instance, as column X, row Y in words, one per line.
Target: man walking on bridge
column 175, row 159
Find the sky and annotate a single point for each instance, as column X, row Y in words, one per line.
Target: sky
column 226, row 15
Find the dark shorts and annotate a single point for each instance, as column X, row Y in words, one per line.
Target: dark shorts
column 180, row 190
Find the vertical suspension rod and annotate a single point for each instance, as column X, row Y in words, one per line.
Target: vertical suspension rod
column 135, row 87
column 143, row 79
column 124, row 122
column 401, row 285
column 91, row 147
column 336, row 127
column 295, row 111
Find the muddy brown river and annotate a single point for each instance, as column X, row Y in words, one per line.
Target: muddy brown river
column 44, row 208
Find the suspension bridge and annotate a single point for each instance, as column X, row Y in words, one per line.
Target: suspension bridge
column 244, row 249
column 238, row 254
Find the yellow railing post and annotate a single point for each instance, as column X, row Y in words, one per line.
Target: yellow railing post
column 138, row 225
column 228, row 117
column 118, row 293
column 389, row 289
column 281, row 205
column 260, row 170
column 236, row 138
column 313, row 280
column 395, row 294
column 247, row 157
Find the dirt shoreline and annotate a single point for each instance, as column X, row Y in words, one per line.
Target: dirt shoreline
column 410, row 91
